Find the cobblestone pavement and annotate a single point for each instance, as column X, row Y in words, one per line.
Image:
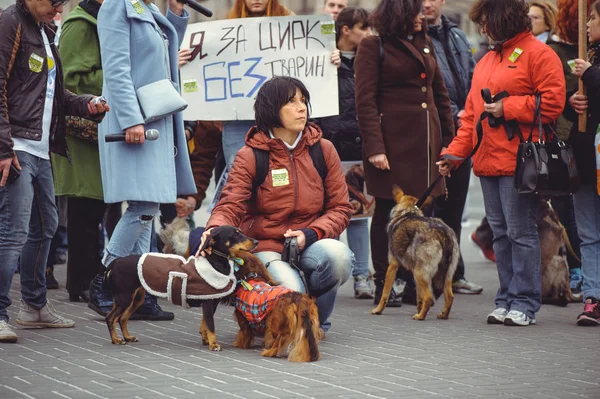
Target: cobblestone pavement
column 363, row 356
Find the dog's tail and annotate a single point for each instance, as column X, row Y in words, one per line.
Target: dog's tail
column 305, row 345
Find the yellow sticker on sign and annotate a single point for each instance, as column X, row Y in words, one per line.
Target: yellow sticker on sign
column 190, row 86
column 515, row 54
column 36, row 63
column 280, row 177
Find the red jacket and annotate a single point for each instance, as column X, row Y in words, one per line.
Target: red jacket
column 537, row 70
column 298, row 201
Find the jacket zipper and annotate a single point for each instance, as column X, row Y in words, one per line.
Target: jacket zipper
column 295, row 177
column 428, row 151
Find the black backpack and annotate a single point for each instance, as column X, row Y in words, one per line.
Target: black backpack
column 262, row 164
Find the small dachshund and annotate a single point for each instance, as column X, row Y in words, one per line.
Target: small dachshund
column 223, row 248
column 287, row 318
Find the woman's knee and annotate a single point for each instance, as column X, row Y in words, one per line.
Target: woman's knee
column 329, row 258
column 285, row 275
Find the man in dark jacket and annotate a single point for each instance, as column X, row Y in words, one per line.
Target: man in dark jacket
column 33, row 105
column 456, row 62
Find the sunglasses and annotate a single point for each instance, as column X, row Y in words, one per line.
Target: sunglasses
column 58, row 3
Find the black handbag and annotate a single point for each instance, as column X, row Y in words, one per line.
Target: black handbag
column 546, row 167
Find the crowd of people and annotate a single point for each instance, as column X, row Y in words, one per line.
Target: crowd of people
column 410, row 100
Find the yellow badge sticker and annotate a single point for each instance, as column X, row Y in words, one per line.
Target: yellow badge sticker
column 515, row 54
column 280, row 177
column 190, row 86
column 137, row 6
column 327, row 28
column 50, row 64
column 36, row 63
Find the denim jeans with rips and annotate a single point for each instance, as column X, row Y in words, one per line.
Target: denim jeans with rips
column 28, row 221
column 326, row 264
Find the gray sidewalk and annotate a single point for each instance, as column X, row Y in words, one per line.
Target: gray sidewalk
column 363, row 356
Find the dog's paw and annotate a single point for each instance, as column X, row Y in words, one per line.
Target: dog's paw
column 417, row 316
column 378, row 310
column 443, row 316
column 204, row 342
column 118, row 341
column 215, row 348
column 131, row 339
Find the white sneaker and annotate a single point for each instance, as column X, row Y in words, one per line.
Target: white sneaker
column 6, row 333
column 497, row 316
column 45, row 317
column 517, row 318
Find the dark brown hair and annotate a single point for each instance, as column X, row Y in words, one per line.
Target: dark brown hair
column 274, row 9
column 272, row 96
column 396, row 17
column 502, row 19
column 350, row 16
column 567, row 25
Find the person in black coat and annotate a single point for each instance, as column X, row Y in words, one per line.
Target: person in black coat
column 351, row 27
column 587, row 157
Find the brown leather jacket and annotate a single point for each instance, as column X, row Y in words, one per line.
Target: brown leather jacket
column 298, row 199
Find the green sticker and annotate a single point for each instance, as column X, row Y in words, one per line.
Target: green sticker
column 137, row 6
column 36, row 63
column 571, row 64
column 190, row 86
column 328, row 28
column 515, row 54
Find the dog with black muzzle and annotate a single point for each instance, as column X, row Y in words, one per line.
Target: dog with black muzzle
column 192, row 282
column 425, row 246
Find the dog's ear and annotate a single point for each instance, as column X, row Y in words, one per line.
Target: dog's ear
column 210, row 241
column 398, row 193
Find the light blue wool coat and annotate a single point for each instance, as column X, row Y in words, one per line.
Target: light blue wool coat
column 132, row 50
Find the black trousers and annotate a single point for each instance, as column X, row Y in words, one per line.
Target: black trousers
column 451, row 210
column 83, row 234
column 379, row 243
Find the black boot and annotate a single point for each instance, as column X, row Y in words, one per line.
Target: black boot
column 100, row 298
column 394, row 301
column 150, row 310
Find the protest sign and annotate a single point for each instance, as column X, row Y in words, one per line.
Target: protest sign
column 232, row 58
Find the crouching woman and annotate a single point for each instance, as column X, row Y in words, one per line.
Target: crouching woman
column 294, row 200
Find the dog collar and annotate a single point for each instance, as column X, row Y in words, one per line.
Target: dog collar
column 237, row 261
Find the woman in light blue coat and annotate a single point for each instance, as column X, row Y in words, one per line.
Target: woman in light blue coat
column 139, row 46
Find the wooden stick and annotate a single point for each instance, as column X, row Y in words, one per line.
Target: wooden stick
column 582, row 16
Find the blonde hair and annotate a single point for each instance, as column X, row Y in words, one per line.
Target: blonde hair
column 549, row 10
column 273, row 9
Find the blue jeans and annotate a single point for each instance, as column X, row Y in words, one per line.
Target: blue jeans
column 234, row 138
column 132, row 234
column 28, row 221
column 358, row 241
column 587, row 214
column 512, row 217
column 326, row 265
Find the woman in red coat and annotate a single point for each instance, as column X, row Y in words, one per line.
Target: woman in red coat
column 522, row 66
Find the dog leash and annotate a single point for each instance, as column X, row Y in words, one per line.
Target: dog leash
column 427, row 192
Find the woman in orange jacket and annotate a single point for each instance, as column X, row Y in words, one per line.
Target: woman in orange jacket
column 522, row 66
column 294, row 200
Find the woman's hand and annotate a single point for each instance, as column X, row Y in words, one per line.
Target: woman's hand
column 335, row 58
column 183, row 57
column 97, row 107
column 135, row 135
column 380, row 161
column 300, row 235
column 445, row 166
column 176, row 7
column 578, row 103
column 185, row 206
column 203, row 239
column 580, row 67
column 496, row 109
